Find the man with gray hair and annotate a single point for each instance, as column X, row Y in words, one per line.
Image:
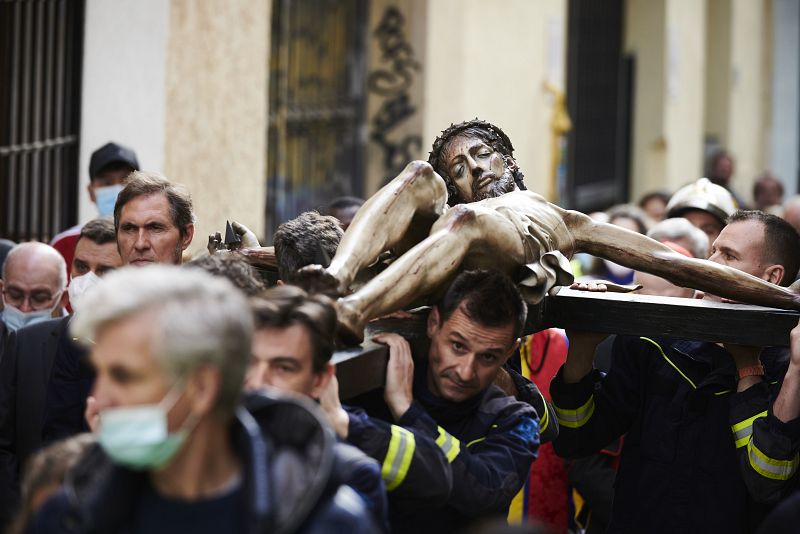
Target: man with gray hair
column 175, row 451
column 153, row 219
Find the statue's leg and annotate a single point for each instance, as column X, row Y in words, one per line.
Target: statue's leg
column 417, row 193
column 644, row 254
column 465, row 230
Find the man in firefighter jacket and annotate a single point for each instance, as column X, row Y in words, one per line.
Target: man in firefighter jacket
column 687, row 427
column 486, row 438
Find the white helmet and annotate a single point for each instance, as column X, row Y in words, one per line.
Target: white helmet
column 702, row 195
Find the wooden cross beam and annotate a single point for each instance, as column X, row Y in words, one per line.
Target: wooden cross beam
column 363, row 368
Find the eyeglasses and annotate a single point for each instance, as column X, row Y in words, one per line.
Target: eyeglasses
column 38, row 299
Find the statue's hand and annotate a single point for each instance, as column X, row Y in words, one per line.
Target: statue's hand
column 593, row 287
column 249, row 239
column 399, row 374
column 215, row 243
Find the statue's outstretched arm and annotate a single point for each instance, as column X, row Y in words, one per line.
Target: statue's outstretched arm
column 644, row 254
column 416, row 194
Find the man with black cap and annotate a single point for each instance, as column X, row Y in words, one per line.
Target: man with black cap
column 108, row 167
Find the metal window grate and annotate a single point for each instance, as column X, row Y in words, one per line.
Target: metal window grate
column 40, row 68
column 316, row 105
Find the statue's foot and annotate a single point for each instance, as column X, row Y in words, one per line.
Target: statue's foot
column 315, row 279
column 351, row 324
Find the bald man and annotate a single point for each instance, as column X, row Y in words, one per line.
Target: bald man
column 33, row 285
column 33, row 293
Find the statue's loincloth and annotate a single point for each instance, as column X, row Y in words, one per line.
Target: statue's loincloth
column 544, row 236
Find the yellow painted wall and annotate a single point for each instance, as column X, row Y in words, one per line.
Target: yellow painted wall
column 491, row 61
column 667, row 38
column 645, row 38
column 216, row 112
column 718, row 69
column 685, row 92
column 748, row 118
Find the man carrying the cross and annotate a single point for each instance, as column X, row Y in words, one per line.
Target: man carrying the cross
column 686, row 408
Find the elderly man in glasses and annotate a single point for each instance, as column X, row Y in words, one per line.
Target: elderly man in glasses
column 34, row 283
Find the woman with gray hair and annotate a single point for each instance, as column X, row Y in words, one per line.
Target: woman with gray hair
column 681, row 232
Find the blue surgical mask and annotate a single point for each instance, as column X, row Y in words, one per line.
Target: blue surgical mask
column 138, row 437
column 106, row 198
column 16, row 319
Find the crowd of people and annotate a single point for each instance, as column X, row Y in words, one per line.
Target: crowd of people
column 142, row 390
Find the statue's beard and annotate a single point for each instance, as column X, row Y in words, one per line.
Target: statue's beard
column 504, row 184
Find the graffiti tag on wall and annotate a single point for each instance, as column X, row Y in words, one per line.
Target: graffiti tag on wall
column 391, row 82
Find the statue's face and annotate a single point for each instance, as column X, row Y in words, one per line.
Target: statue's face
column 476, row 169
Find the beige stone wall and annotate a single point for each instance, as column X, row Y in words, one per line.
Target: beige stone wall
column 492, row 62
column 685, row 92
column 216, row 109
column 748, row 115
column 718, row 72
column 645, row 38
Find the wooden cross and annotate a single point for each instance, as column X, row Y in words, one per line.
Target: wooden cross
column 363, row 368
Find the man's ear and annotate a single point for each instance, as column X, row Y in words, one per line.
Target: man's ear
column 433, row 321
column 187, row 236
column 322, row 379
column 92, row 196
column 513, row 349
column 62, row 303
column 774, row 274
column 205, row 382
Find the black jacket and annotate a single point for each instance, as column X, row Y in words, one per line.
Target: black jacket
column 25, row 372
column 290, row 479
column 679, row 470
column 487, row 443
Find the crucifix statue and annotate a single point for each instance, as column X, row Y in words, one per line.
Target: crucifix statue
column 467, row 208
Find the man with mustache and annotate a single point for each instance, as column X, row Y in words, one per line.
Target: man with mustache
column 466, row 208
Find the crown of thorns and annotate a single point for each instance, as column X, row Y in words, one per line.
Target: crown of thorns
column 497, row 136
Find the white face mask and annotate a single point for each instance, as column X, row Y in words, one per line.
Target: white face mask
column 79, row 285
column 16, row 319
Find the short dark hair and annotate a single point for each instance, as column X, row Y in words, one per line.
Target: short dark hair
column 284, row 306
column 341, row 203
column 140, row 183
column 308, row 239
column 781, row 241
column 762, row 182
column 489, row 297
column 99, row 230
column 233, row 267
column 485, row 131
